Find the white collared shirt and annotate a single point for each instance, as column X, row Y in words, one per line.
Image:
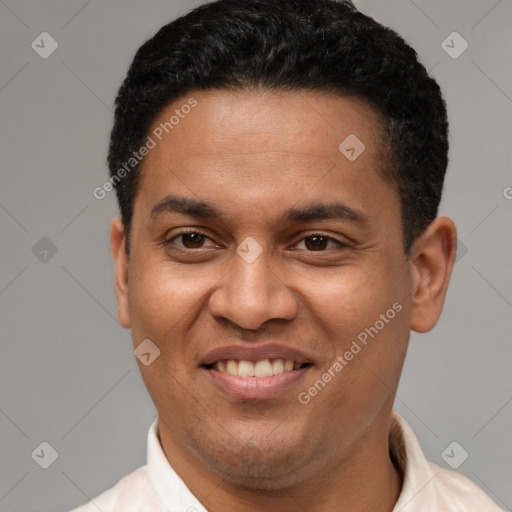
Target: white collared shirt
column 156, row 487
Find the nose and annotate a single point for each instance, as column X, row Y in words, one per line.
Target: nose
column 251, row 293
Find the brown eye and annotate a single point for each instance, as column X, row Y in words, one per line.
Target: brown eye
column 318, row 242
column 189, row 240
column 192, row 240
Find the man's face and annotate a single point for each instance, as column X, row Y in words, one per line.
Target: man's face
column 269, row 280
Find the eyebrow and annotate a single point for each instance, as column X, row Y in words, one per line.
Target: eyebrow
column 309, row 213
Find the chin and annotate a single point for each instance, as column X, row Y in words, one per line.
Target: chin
column 257, row 465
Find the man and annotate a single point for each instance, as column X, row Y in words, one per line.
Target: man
column 279, row 166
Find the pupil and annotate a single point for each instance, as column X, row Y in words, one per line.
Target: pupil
column 318, row 244
column 194, row 238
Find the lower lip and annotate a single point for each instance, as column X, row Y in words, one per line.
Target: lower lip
column 256, row 388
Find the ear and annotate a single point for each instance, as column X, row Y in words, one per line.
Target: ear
column 432, row 259
column 117, row 245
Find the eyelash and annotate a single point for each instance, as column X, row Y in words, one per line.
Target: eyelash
column 167, row 242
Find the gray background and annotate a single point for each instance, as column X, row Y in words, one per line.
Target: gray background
column 67, row 372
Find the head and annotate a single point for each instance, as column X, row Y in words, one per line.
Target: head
column 284, row 208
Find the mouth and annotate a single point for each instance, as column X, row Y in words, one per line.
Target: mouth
column 255, row 374
column 256, row 369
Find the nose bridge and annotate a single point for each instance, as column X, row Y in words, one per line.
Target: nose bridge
column 251, row 277
column 251, row 293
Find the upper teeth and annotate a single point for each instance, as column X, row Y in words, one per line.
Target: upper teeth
column 263, row 368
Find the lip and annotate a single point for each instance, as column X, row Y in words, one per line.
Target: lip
column 256, row 388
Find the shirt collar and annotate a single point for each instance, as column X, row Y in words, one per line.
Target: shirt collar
column 171, row 489
column 417, row 472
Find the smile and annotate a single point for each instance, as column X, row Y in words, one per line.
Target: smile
column 257, row 369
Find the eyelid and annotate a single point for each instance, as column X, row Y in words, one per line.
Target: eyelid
column 339, row 243
column 168, row 240
column 323, row 235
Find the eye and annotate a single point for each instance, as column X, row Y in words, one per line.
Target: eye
column 192, row 239
column 320, row 242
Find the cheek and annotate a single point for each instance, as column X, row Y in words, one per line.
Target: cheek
column 162, row 298
column 350, row 299
column 164, row 303
column 364, row 314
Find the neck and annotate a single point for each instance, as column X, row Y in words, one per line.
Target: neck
column 363, row 479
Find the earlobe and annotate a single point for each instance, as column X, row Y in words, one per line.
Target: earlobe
column 117, row 245
column 432, row 259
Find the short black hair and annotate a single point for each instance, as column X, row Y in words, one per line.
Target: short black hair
column 315, row 45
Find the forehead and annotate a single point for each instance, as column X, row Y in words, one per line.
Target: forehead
column 266, row 120
column 248, row 148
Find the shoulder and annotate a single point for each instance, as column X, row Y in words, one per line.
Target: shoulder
column 427, row 486
column 458, row 492
column 133, row 492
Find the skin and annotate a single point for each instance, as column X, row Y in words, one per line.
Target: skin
column 254, row 154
